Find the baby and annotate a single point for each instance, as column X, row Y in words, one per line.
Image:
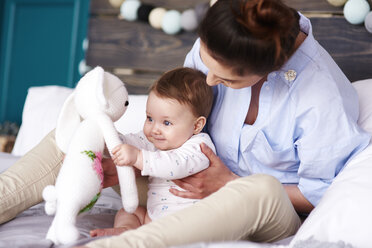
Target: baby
column 168, row 148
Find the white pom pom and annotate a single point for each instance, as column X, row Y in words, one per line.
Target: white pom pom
column 156, row 17
column 50, row 193
column 355, row 11
column 128, row 10
column 189, row 20
column 50, row 208
column 50, row 197
column 171, row 22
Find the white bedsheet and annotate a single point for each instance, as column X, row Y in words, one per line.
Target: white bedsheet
column 6, row 160
column 29, row 228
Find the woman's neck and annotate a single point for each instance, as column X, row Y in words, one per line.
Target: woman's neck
column 299, row 40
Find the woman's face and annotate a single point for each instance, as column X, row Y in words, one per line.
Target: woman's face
column 220, row 74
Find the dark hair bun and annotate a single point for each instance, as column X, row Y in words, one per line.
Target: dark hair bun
column 251, row 36
column 268, row 20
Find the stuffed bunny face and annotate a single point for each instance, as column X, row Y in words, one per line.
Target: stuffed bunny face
column 101, row 93
column 97, row 93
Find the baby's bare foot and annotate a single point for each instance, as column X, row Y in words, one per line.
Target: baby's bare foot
column 107, row 231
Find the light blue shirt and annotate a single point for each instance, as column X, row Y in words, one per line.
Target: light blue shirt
column 306, row 129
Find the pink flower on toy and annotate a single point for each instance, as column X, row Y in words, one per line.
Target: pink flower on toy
column 97, row 166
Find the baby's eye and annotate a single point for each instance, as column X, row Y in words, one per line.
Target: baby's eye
column 149, row 119
column 167, row 123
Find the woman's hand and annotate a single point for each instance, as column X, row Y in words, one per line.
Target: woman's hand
column 110, row 175
column 206, row 182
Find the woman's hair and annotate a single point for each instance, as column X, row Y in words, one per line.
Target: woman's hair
column 250, row 36
column 187, row 86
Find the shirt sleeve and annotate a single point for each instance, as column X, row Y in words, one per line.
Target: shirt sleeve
column 138, row 140
column 326, row 138
column 177, row 163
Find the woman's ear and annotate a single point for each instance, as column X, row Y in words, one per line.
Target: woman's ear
column 199, row 124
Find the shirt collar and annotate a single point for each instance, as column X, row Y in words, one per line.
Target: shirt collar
column 302, row 56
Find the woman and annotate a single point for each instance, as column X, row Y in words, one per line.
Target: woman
column 283, row 122
column 282, row 108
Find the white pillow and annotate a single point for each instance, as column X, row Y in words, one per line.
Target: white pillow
column 364, row 89
column 42, row 107
column 39, row 116
column 344, row 212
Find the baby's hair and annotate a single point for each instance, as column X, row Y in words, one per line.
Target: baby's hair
column 250, row 36
column 187, row 86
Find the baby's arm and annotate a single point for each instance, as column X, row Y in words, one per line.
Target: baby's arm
column 125, row 155
column 178, row 163
column 130, row 152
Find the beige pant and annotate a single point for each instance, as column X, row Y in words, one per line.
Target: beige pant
column 22, row 184
column 255, row 208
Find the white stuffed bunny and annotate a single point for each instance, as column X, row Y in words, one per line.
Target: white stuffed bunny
column 85, row 125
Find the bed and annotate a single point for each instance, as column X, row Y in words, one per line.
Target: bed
column 138, row 54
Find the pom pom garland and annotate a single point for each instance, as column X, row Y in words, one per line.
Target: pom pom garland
column 170, row 21
column 368, row 22
column 156, row 17
column 355, row 11
column 129, row 8
column 201, row 9
column 337, row 3
column 143, row 12
column 116, row 3
column 211, row 2
column 189, row 21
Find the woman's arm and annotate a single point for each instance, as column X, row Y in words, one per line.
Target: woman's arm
column 206, row 182
column 210, row 180
column 110, row 177
column 299, row 202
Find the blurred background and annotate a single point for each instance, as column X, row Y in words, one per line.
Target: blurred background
column 54, row 42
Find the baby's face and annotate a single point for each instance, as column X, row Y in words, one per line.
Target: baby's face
column 169, row 123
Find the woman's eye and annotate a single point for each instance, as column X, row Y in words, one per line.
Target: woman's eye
column 226, row 83
column 167, row 123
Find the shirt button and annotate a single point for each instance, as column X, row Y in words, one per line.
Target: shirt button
column 290, row 75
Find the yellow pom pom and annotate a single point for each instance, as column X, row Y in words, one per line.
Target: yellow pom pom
column 116, row 3
column 156, row 17
column 337, row 3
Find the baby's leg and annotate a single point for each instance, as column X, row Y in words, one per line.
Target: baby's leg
column 123, row 222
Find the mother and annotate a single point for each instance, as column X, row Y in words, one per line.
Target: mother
column 284, row 123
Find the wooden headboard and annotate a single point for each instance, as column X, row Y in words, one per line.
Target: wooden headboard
column 138, row 53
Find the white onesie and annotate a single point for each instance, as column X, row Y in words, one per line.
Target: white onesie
column 164, row 166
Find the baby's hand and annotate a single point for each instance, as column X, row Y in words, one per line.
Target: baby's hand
column 125, row 154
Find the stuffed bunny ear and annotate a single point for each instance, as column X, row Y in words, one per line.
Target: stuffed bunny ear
column 68, row 122
column 100, row 81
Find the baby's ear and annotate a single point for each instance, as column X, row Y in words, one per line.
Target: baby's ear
column 199, row 124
